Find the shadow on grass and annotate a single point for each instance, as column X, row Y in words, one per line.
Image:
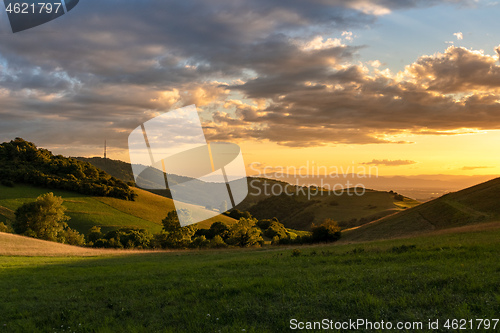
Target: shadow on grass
column 257, row 291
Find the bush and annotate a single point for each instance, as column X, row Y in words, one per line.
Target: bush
column 245, row 233
column 199, row 242
column 94, row 234
column 218, row 229
column 276, row 229
column 296, row 253
column 73, row 237
column 217, row 242
column 238, row 214
column 328, row 231
column 5, row 228
column 123, row 238
column 266, row 223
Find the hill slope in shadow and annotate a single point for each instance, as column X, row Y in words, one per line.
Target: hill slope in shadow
column 473, row 205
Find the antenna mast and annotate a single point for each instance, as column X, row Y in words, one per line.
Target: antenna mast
column 105, row 148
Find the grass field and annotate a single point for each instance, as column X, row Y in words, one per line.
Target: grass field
column 443, row 276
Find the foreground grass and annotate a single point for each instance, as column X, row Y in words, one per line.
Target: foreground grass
column 436, row 277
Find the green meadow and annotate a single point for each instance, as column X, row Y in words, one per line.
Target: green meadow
column 437, row 277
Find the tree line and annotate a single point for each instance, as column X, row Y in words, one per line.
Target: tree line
column 45, row 218
column 22, row 162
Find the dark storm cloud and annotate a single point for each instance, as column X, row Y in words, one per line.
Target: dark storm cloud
column 107, row 66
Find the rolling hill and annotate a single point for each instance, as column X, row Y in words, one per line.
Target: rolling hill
column 298, row 211
column 146, row 212
column 473, row 205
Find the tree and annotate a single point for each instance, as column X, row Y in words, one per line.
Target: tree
column 218, row 229
column 175, row 236
column 171, row 222
column 276, row 229
column 45, row 218
column 327, row 231
column 238, row 214
column 199, row 242
column 72, row 237
column 217, row 242
column 245, row 233
column 94, row 234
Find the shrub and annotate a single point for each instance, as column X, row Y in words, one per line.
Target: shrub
column 276, row 229
column 217, row 242
column 328, row 231
column 199, row 242
column 245, row 233
column 296, row 253
column 5, row 228
column 218, row 229
column 238, row 214
column 73, row 237
column 266, row 223
column 94, row 234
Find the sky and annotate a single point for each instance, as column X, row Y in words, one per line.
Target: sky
column 411, row 87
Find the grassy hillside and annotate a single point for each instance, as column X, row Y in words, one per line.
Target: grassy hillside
column 146, row 212
column 480, row 203
column 300, row 211
column 297, row 212
column 440, row 277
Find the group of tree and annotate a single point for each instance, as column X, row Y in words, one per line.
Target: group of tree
column 23, row 162
column 45, row 218
column 246, row 232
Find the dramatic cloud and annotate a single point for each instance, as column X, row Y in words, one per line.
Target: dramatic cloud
column 390, row 162
column 283, row 71
column 448, row 93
